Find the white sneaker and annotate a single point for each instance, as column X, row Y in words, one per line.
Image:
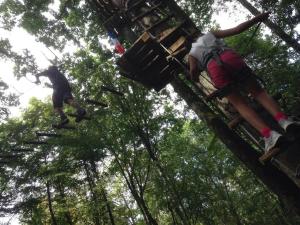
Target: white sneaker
column 272, row 141
column 289, row 124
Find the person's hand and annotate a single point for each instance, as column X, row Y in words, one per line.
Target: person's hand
column 193, row 76
column 193, row 73
column 37, row 80
column 263, row 16
column 47, row 85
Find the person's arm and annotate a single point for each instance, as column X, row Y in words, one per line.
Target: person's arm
column 193, row 64
column 241, row 27
column 37, row 76
column 48, row 85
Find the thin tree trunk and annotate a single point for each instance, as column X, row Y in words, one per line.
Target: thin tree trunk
column 129, row 209
column 94, row 195
column 53, row 219
column 149, row 219
column 104, row 195
column 62, row 195
column 111, row 217
column 168, row 182
column 274, row 27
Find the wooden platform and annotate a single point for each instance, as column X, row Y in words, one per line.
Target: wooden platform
column 146, row 62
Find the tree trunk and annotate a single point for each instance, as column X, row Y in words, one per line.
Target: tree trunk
column 111, row 217
column 149, row 219
column 274, row 27
column 94, row 195
column 63, row 198
column 129, row 210
column 275, row 180
column 103, row 193
column 168, row 183
column 53, row 219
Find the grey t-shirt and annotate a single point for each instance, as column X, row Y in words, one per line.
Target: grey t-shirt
column 204, row 46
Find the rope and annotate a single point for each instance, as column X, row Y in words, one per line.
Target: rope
column 253, row 35
column 21, row 93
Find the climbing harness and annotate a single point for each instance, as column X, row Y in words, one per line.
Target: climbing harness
column 253, row 34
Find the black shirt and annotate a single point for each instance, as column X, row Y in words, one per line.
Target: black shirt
column 57, row 79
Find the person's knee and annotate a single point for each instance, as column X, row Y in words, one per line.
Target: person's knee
column 57, row 109
column 257, row 93
column 69, row 101
column 235, row 99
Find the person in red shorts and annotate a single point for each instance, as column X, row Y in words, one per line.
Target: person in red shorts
column 225, row 67
column 61, row 94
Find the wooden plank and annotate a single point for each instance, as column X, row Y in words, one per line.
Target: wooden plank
column 140, row 53
column 269, row 155
column 179, row 43
column 22, row 149
column 75, row 115
column 180, row 53
column 111, row 90
column 139, row 46
column 146, row 57
column 145, row 37
column 47, row 134
column 5, row 162
column 166, row 33
column 97, row 103
column 65, row 127
column 35, row 142
column 177, row 31
column 9, row 156
column 235, row 122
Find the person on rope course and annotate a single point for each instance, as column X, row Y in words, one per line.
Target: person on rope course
column 61, row 94
column 229, row 73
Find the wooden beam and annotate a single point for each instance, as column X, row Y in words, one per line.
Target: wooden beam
column 269, row 155
column 4, row 162
column 65, row 127
column 47, row 134
column 97, row 103
column 22, row 150
column 111, row 90
column 75, row 115
column 9, row 156
column 35, row 142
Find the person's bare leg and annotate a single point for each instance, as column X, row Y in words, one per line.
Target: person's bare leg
column 81, row 112
column 263, row 97
column 246, row 111
column 288, row 124
column 268, row 102
column 74, row 104
column 60, row 112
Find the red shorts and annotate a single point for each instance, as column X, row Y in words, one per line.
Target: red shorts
column 223, row 75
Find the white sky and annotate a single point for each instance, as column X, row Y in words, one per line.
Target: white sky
column 20, row 40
